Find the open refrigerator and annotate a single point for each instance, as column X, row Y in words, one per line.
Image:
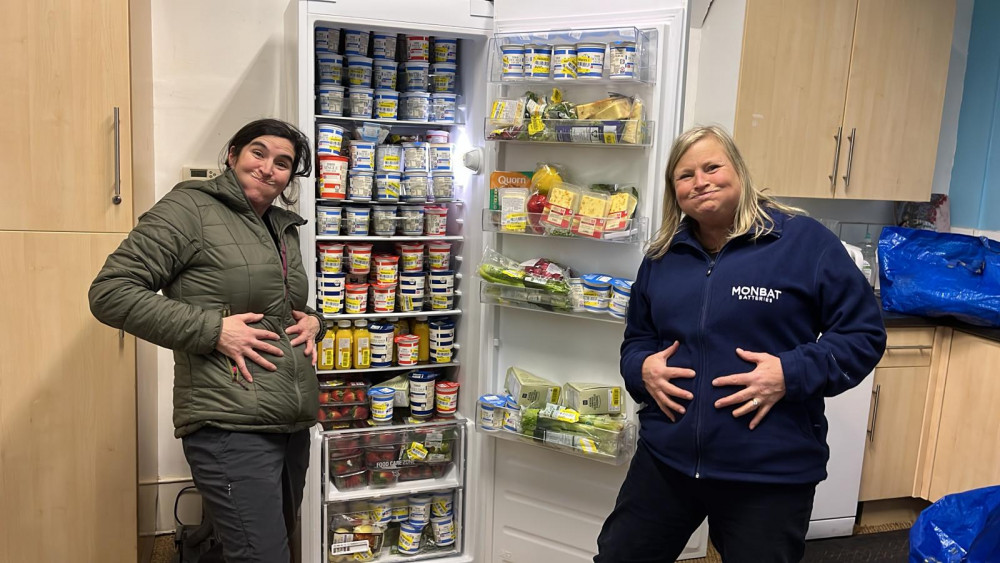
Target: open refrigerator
column 510, row 497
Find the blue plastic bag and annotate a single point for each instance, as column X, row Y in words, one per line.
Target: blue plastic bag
column 963, row 527
column 940, row 275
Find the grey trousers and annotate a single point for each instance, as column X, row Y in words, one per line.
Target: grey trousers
column 252, row 483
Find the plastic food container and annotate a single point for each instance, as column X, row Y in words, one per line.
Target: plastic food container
column 621, row 60
column 443, row 77
column 416, row 76
column 327, row 38
column 355, row 42
column 438, row 260
column 420, row 509
column 436, row 136
column 384, row 220
column 360, row 101
column 389, row 158
column 351, row 481
column 411, row 220
column 342, row 413
column 330, row 66
column 443, row 186
column 412, row 262
column 387, row 268
column 417, row 48
column 359, row 71
column 384, row 74
column 328, row 220
column 343, row 462
column 491, row 409
column 356, row 298
column 386, row 104
column 383, row 300
column 440, row 157
column 329, row 138
column 443, row 108
column 360, row 183
column 387, row 186
column 381, row 342
column 414, row 187
column 446, row 398
column 621, row 291
column 596, row 292
column 331, row 256
column 435, row 220
column 381, row 509
column 512, row 62
column 409, row 538
column 590, row 60
column 340, row 392
column 362, row 154
column 330, row 99
column 406, row 349
column 416, row 106
column 359, row 258
column 384, row 456
column 445, row 50
column 416, row 157
column 537, row 61
column 443, row 530
column 332, row 176
column 564, row 62
column 356, row 223
column 384, row 46
column 381, row 401
column 422, row 393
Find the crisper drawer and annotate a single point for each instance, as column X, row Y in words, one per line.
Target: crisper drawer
column 908, row 347
column 397, row 527
column 360, row 463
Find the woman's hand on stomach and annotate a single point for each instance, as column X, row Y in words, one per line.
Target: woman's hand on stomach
column 306, row 328
column 763, row 387
column 656, row 376
column 240, row 342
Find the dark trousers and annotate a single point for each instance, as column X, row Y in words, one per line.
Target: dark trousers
column 659, row 508
column 252, row 483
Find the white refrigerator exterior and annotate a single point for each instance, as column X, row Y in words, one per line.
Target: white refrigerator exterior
column 524, row 503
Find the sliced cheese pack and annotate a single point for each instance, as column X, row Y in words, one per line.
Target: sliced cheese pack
column 529, row 390
column 563, row 203
column 590, row 219
column 593, row 398
column 621, row 206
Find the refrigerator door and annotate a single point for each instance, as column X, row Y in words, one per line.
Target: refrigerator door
column 545, row 505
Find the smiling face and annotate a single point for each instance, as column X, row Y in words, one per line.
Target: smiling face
column 263, row 168
column 706, row 184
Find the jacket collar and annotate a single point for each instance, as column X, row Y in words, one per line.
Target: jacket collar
column 226, row 188
column 686, row 237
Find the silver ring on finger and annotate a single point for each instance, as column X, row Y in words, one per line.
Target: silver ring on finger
column 755, row 401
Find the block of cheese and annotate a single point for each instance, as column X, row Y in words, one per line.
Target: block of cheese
column 617, row 107
column 593, row 205
column 621, row 206
column 563, row 196
column 635, row 127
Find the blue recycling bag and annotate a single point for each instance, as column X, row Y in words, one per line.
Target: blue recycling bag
column 963, row 527
column 934, row 274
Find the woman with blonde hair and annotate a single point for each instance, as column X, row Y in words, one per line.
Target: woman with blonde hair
column 745, row 314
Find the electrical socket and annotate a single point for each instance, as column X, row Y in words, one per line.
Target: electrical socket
column 198, row 173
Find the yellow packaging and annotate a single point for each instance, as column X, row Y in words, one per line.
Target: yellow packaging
column 617, row 107
column 593, row 398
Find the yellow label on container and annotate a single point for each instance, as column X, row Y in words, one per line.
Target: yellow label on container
column 535, row 125
column 416, row 451
column 616, row 397
column 587, row 445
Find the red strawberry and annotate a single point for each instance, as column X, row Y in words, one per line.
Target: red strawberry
column 349, row 396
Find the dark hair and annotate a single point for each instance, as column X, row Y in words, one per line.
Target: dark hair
column 302, row 161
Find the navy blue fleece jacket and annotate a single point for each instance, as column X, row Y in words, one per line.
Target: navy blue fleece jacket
column 793, row 293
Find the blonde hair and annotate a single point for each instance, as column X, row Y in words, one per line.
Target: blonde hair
column 751, row 215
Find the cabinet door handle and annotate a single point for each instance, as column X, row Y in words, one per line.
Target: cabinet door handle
column 850, row 158
column 836, row 159
column 910, row 347
column 871, row 429
column 117, row 197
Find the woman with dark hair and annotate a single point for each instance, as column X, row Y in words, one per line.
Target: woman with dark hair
column 744, row 315
column 234, row 311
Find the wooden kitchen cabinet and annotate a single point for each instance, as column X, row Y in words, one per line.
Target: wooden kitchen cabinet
column 965, row 451
column 899, row 394
column 843, row 99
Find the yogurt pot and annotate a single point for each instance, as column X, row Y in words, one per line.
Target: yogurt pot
column 330, row 99
column 384, row 220
column 359, row 259
column 356, row 298
column 415, row 76
column 416, row 106
column 355, row 223
column 411, row 220
column 387, row 186
column 380, row 510
column 359, row 71
column 422, row 393
column 406, row 349
column 386, row 104
column 443, row 530
column 511, row 62
column 362, row 154
column 446, row 398
column 384, row 74
column 435, row 221
column 329, row 138
column 380, row 342
column 590, row 60
column 360, row 184
column 328, row 220
column 381, row 403
column 438, row 260
column 491, row 408
column 412, row 262
column 387, row 267
column 383, row 300
column 537, row 61
column 329, row 68
column 418, row 48
column 443, row 108
column 355, row 42
column 440, row 157
column 360, row 101
column 332, row 176
column 445, row 50
column 414, row 187
column 621, row 290
column 331, row 258
column 327, row 38
column 443, row 186
column 436, row 136
column 443, row 77
column 409, row 538
column 416, row 157
column 384, row 46
column 596, row 292
column 621, row 60
column 400, row 508
column 389, row 158
column 564, row 61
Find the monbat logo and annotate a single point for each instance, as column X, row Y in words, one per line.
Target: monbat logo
column 765, row 294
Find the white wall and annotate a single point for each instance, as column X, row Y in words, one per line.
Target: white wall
column 215, row 67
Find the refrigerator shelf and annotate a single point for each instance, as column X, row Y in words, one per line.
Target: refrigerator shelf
column 335, row 202
column 604, row 133
column 530, row 299
column 644, row 67
column 424, row 124
column 589, row 442
column 323, row 372
column 428, row 313
column 451, row 480
column 634, row 231
column 374, row 238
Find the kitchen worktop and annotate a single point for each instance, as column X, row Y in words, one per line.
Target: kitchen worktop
column 899, row 320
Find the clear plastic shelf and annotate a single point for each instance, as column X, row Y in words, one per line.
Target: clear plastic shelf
column 614, row 447
column 634, row 230
column 624, row 133
column 532, row 299
column 644, row 58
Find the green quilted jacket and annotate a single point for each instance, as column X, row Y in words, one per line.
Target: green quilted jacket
column 212, row 256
